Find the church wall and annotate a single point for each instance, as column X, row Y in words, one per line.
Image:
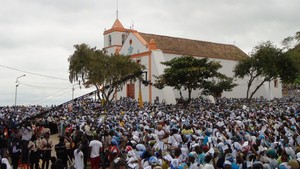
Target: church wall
column 116, row 39
column 240, row 90
column 134, row 48
column 168, row 94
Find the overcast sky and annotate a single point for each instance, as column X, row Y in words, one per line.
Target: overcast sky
column 37, row 36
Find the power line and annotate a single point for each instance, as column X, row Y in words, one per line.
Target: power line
column 51, row 98
column 52, row 94
column 35, row 86
column 24, row 71
column 55, row 96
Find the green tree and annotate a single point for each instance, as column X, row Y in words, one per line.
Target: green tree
column 216, row 87
column 294, row 54
column 266, row 62
column 291, row 41
column 188, row 73
column 292, row 46
column 95, row 68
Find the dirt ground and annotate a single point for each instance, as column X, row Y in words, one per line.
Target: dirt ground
column 55, row 140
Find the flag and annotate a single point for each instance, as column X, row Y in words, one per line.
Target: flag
column 140, row 99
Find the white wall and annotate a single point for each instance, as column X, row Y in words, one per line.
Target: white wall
column 238, row 91
column 116, row 39
column 168, row 94
column 137, row 46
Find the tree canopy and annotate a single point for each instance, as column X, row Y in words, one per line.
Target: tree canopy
column 291, row 45
column 189, row 73
column 267, row 62
column 106, row 72
column 291, row 41
column 218, row 85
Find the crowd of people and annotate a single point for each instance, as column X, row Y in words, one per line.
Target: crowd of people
column 229, row 134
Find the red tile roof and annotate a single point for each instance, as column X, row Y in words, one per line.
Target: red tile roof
column 198, row 48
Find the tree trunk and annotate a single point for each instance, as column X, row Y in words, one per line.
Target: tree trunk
column 98, row 92
column 248, row 89
column 257, row 87
column 217, row 94
column 190, row 93
column 250, row 84
column 180, row 93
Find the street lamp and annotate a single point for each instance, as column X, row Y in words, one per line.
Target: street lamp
column 16, row 92
column 73, row 88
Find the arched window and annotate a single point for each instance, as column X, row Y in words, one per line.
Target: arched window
column 109, row 40
column 123, row 38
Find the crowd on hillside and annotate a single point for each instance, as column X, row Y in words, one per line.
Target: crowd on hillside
column 229, row 134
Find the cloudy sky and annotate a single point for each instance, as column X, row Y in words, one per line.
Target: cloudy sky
column 37, row 36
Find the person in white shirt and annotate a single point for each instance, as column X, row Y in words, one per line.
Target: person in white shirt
column 174, row 139
column 78, row 155
column 160, row 133
column 4, row 160
column 87, row 130
column 95, row 148
column 26, row 133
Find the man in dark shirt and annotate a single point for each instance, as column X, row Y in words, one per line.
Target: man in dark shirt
column 3, row 144
column 61, row 151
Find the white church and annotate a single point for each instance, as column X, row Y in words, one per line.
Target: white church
column 151, row 49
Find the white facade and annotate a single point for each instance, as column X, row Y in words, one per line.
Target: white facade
column 146, row 53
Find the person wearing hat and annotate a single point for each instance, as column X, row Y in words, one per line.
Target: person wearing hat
column 192, row 163
column 113, row 151
column 153, row 163
column 160, row 135
column 227, row 165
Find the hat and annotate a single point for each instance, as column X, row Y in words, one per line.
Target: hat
column 183, row 166
column 136, row 138
column 208, row 166
column 128, row 148
column 298, row 156
column 153, row 160
column 271, row 152
column 205, row 148
column 284, row 166
column 261, row 149
column 114, row 142
column 227, row 163
column 193, row 154
column 133, row 143
column 140, row 147
column 289, row 151
column 237, row 146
